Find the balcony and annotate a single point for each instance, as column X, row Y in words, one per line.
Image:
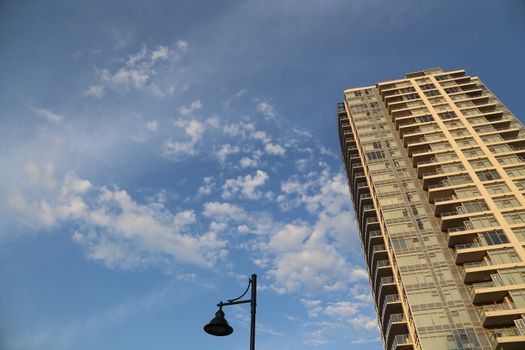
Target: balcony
column 397, row 325
column 375, row 237
column 402, row 342
column 508, row 339
column 386, row 285
column 391, row 305
column 364, row 198
column 482, row 270
column 475, row 251
column 503, row 314
column 429, row 178
column 382, row 269
column 489, row 292
column 377, row 252
column 455, row 220
column 438, row 165
column 371, row 224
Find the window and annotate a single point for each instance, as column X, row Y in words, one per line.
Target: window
column 480, row 163
column 376, row 145
column 452, row 90
column 503, row 256
column 516, row 172
column 431, row 93
column 466, row 192
column 442, row 77
column 488, row 175
column 425, row 119
column 411, row 97
column 493, row 237
column 507, row 202
column 513, row 218
column 497, row 188
column 375, row 155
column 474, row 207
column 520, row 233
column 482, row 221
column 447, row 115
column 427, row 86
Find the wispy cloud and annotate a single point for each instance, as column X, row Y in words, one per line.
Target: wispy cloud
column 47, row 114
column 266, row 109
column 189, row 110
column 117, row 230
column 139, row 71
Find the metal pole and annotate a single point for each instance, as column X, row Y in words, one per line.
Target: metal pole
column 253, row 305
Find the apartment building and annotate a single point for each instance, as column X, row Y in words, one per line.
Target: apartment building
column 436, row 170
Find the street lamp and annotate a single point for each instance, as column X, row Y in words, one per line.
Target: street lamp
column 218, row 326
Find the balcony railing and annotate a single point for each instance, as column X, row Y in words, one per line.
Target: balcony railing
column 394, row 318
column 390, row 298
column 383, row 281
column 495, row 307
column 400, row 339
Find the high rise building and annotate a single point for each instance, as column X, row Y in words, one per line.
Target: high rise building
column 436, row 169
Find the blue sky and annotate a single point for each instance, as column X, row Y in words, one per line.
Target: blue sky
column 154, row 154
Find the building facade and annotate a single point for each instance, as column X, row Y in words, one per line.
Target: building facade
column 436, row 170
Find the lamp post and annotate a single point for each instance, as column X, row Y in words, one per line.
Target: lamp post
column 218, row 326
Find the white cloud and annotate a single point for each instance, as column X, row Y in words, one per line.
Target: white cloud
column 238, row 129
column 223, row 211
column 152, row 125
column 139, row 71
column 247, row 185
column 225, row 151
column 359, row 274
column 194, row 129
column 289, row 238
column 246, row 162
column 183, row 219
column 207, row 186
column 363, row 322
column 94, row 91
column 47, row 114
column 189, row 110
column 274, row 149
column 266, row 109
column 119, row 231
column 341, row 309
column 230, row 99
column 182, row 46
column 261, row 136
column 178, row 149
column 161, row 53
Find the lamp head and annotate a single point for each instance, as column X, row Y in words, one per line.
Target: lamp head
column 218, row 326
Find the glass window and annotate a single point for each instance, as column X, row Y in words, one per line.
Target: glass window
column 483, row 221
column 520, row 233
column 517, row 217
column 493, row 237
column 497, row 188
column 507, row 202
column 516, row 172
column 488, row 175
column 447, row 115
column 503, row 256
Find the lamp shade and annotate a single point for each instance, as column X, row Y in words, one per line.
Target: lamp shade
column 218, row 326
